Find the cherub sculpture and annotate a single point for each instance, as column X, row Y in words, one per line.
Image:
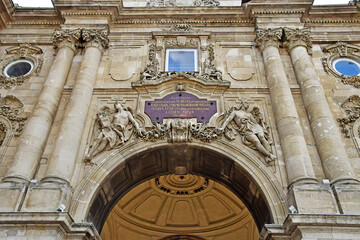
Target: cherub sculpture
column 251, row 127
column 112, row 129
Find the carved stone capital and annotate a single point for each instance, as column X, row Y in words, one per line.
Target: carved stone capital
column 66, row 38
column 96, row 38
column 268, row 37
column 298, row 37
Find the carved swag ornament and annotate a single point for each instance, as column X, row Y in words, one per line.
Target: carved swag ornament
column 113, row 129
column 23, row 51
column 12, row 109
column 352, row 108
column 339, row 50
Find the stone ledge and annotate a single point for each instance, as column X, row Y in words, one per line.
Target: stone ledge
column 48, row 221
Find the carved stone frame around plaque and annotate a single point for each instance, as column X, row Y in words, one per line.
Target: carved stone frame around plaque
column 23, row 51
column 341, row 50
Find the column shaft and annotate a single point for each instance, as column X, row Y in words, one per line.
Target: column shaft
column 335, row 161
column 63, row 158
column 34, row 137
column 297, row 159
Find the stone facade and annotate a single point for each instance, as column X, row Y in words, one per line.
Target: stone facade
column 77, row 139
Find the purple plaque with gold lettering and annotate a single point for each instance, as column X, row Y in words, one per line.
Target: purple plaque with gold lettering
column 180, row 105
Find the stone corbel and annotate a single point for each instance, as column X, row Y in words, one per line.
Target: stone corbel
column 337, row 50
column 298, row 37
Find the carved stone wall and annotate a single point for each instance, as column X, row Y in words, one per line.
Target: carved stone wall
column 274, row 55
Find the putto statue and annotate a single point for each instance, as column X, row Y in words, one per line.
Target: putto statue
column 112, row 129
column 250, row 125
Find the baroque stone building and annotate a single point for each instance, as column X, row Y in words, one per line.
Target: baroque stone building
column 168, row 119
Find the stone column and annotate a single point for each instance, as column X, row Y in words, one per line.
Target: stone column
column 332, row 152
column 34, row 137
column 63, row 158
column 297, row 159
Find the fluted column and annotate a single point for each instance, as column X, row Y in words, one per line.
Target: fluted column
column 35, row 135
column 297, row 159
column 63, row 158
column 332, row 152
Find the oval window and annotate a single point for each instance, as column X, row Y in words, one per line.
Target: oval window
column 346, row 66
column 19, row 67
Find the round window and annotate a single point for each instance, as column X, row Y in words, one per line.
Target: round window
column 19, row 67
column 346, row 66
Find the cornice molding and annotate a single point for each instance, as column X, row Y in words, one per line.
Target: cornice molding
column 267, row 12
column 165, row 22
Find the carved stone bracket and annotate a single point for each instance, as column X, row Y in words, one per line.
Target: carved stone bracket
column 352, row 108
column 339, row 50
column 298, row 37
column 23, row 51
column 13, row 109
column 268, row 37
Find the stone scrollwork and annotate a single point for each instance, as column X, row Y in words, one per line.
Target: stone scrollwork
column 180, row 44
column 24, row 51
column 268, row 37
column 209, row 71
column 250, row 125
column 181, row 27
column 112, row 129
column 12, row 109
column 342, row 50
column 96, row 37
column 298, row 37
column 151, row 71
column 66, row 38
column 352, row 108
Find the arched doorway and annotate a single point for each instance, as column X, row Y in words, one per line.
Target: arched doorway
column 178, row 207
column 250, row 180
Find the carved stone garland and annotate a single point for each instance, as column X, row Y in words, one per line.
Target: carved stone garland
column 341, row 49
column 23, row 51
column 13, row 109
column 352, row 108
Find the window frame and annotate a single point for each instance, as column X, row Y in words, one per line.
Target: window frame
column 194, row 50
column 336, row 60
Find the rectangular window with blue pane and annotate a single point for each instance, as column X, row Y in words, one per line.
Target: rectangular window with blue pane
column 181, row 60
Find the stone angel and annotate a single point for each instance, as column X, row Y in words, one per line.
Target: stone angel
column 250, row 125
column 112, row 129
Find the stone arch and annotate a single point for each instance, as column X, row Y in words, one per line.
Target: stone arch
column 245, row 175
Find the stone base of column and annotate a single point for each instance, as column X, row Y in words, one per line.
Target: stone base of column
column 313, row 199
column 314, row 226
column 12, row 195
column 48, row 196
column 348, row 197
column 50, row 226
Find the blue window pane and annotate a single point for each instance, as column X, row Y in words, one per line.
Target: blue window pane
column 347, row 67
column 181, row 61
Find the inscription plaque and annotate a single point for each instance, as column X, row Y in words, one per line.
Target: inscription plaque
column 180, row 105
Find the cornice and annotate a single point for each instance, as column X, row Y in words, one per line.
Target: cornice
column 322, row 21
column 35, row 23
column 271, row 12
column 166, row 22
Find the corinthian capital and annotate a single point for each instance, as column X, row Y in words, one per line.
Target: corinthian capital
column 96, row 38
column 268, row 37
column 298, row 37
column 66, row 38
